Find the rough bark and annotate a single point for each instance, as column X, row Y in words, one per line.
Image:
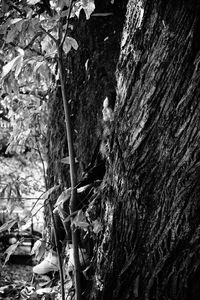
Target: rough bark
column 90, row 77
column 151, row 241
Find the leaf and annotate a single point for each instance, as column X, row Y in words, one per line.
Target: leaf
column 97, row 226
column 38, row 65
column 11, row 35
column 64, row 196
column 88, row 6
column 16, row 20
column 89, row 9
column 65, row 160
column 39, row 249
column 49, row 46
column 10, row 250
column 60, row 4
column 47, row 290
column 73, row 42
column 46, row 43
column 8, row 225
column 32, row 2
column 19, row 66
column 49, row 192
column 80, row 220
column 69, row 43
column 25, row 226
column 11, row 65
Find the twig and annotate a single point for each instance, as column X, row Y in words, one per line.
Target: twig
column 49, row 34
column 58, row 253
column 42, row 161
column 73, row 175
column 32, row 41
column 67, row 25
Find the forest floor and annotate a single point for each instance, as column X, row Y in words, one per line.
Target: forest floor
column 13, row 279
column 17, row 283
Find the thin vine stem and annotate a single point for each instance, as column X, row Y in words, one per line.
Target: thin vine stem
column 67, row 25
column 58, row 252
column 73, row 176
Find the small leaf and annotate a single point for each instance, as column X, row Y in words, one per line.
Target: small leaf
column 65, row 160
column 32, row 2
column 11, row 35
column 87, row 5
column 16, row 20
column 69, row 43
column 8, row 225
column 89, row 9
column 19, row 66
column 46, row 43
column 72, row 42
column 38, row 65
column 39, row 249
column 47, row 290
column 80, row 220
column 10, row 65
column 20, row 50
column 49, row 192
column 10, row 250
column 64, row 196
column 97, row 226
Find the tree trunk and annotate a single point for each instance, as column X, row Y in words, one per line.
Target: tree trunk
column 151, row 240
column 149, row 247
column 90, row 78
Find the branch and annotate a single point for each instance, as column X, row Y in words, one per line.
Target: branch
column 67, row 26
column 49, row 34
column 25, row 48
column 32, row 40
column 23, row 14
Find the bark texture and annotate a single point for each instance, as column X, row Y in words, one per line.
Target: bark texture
column 151, row 240
column 90, row 78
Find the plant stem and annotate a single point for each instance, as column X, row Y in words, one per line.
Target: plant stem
column 58, row 253
column 73, row 176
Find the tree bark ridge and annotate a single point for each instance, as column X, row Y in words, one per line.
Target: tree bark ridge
column 153, row 203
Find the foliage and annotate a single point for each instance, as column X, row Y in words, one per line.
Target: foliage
column 33, row 43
